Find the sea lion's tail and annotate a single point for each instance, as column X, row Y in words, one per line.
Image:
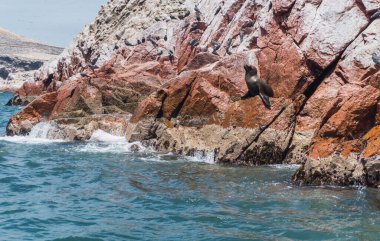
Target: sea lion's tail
column 265, row 100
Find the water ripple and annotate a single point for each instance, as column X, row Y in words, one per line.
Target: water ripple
column 99, row 190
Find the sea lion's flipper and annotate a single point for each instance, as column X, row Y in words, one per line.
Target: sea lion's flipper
column 247, row 95
column 266, row 89
column 265, row 100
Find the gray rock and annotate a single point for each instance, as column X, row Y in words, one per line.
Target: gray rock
column 20, row 58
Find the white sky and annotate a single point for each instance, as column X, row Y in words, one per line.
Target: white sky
column 55, row 22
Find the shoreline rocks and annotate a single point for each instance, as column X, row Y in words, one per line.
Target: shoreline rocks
column 20, row 58
column 178, row 92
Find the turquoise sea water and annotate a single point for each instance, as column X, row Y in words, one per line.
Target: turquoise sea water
column 98, row 190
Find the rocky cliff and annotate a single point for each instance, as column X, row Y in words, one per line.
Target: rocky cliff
column 171, row 76
column 20, row 58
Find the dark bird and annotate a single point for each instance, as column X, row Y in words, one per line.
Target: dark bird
column 48, row 81
column 83, row 74
column 376, row 58
column 158, row 55
column 138, row 41
column 166, row 35
column 247, row 24
column 171, row 56
column 143, row 40
column 375, row 15
column 197, row 13
column 93, row 68
column 215, row 47
column 194, row 26
column 150, row 39
column 228, row 46
column 257, row 86
column 218, row 10
column 194, row 43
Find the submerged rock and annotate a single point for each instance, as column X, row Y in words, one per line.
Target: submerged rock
column 163, row 82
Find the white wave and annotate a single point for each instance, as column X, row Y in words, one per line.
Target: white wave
column 39, row 134
column 28, row 140
column 200, row 156
column 285, row 166
column 154, row 158
column 102, row 136
column 116, row 148
column 103, row 142
column 41, row 130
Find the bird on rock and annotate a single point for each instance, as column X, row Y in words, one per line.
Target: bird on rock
column 257, row 86
column 84, row 75
column 197, row 13
column 375, row 15
column 376, row 58
column 194, row 43
column 93, row 68
column 215, row 47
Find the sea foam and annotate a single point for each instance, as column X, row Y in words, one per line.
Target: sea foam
column 199, row 156
column 39, row 134
column 103, row 142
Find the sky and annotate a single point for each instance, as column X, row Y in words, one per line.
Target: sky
column 54, row 22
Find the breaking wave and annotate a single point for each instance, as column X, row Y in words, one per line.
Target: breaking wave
column 103, row 142
column 200, row 156
column 42, row 133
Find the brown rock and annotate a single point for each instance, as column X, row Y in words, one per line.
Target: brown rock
column 373, row 173
column 282, row 6
column 372, row 139
column 36, row 111
column 352, row 120
column 333, row 170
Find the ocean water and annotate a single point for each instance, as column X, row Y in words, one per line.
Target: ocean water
column 99, row 190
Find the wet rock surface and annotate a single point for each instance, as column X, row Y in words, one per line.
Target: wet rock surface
column 175, row 83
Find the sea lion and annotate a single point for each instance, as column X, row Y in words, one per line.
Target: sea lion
column 257, row 86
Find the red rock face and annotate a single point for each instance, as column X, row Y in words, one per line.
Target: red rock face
column 315, row 54
column 348, row 121
column 37, row 111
